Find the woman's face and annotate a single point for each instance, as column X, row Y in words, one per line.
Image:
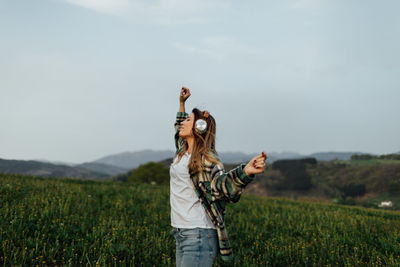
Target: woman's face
column 186, row 126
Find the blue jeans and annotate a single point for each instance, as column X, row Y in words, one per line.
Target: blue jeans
column 195, row 246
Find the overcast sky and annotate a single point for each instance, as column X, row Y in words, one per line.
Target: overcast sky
column 81, row 79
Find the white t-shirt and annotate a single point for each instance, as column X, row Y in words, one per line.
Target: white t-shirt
column 186, row 209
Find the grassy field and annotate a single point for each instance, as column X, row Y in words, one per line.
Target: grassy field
column 75, row 222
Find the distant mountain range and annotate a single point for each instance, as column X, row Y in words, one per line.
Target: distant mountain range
column 102, row 168
column 111, row 165
column 131, row 160
column 37, row 168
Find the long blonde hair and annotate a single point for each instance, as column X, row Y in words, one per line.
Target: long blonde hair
column 203, row 146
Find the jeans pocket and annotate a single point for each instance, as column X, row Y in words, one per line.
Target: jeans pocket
column 190, row 233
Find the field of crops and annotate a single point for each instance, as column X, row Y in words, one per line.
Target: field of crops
column 74, row 222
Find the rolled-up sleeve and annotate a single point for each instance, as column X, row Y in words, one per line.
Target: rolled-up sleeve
column 179, row 142
column 228, row 186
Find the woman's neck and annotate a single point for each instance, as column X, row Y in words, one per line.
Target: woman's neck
column 190, row 142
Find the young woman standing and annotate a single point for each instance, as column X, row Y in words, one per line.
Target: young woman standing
column 200, row 188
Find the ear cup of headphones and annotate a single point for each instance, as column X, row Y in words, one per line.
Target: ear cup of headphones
column 201, row 126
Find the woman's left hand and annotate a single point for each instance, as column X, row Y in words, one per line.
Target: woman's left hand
column 256, row 164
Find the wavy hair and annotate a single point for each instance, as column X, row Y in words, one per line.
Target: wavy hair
column 203, row 144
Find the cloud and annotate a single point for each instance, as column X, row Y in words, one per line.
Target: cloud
column 304, row 62
column 221, row 48
column 309, row 4
column 160, row 11
column 114, row 7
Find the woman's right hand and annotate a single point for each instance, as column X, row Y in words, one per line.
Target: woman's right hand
column 185, row 93
column 256, row 164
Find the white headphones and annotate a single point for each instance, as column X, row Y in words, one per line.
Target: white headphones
column 201, row 125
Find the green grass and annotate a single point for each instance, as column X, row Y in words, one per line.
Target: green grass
column 73, row 222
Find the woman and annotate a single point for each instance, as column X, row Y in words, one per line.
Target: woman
column 200, row 189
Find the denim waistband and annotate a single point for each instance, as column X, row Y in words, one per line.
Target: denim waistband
column 200, row 228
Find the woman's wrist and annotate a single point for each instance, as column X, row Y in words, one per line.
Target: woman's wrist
column 245, row 170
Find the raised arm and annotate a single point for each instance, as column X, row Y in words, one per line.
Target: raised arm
column 228, row 186
column 179, row 141
column 180, row 116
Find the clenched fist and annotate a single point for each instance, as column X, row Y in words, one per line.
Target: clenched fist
column 256, row 164
column 185, row 93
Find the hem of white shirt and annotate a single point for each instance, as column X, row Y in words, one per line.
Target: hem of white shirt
column 192, row 226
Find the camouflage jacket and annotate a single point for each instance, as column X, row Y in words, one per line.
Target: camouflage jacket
column 215, row 188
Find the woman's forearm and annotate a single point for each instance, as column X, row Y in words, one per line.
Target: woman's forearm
column 182, row 107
